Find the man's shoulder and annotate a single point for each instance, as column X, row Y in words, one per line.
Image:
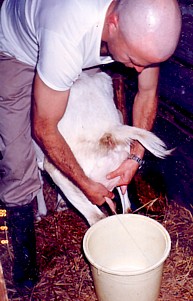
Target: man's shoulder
column 65, row 8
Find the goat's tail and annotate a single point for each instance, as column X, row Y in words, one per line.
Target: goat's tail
column 124, row 135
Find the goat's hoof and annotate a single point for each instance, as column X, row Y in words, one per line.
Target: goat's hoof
column 61, row 205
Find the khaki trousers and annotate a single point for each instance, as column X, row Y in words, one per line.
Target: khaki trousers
column 19, row 181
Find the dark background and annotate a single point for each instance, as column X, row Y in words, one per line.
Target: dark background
column 175, row 115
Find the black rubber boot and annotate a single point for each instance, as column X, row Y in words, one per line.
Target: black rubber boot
column 21, row 228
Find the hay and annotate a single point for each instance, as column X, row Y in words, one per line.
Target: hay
column 64, row 272
column 178, row 271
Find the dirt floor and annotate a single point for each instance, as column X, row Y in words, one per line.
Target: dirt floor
column 64, row 271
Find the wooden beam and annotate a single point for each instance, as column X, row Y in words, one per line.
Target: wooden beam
column 3, row 291
column 119, row 95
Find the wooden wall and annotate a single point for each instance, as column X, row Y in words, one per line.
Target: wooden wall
column 176, row 79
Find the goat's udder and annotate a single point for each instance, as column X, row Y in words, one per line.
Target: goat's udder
column 111, row 205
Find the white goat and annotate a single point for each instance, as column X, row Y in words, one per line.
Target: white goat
column 100, row 142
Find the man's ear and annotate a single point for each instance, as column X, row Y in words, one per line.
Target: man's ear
column 112, row 23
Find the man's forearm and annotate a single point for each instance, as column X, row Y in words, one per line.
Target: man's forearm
column 144, row 114
column 60, row 154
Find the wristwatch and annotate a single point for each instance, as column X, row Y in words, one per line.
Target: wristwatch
column 137, row 159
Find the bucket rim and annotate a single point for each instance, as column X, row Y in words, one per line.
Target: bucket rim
column 121, row 272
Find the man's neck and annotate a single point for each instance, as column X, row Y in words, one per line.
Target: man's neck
column 104, row 49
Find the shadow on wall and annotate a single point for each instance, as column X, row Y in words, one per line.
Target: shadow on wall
column 176, row 170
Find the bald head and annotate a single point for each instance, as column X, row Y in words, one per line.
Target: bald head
column 152, row 25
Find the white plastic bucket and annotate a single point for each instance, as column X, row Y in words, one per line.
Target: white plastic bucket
column 126, row 253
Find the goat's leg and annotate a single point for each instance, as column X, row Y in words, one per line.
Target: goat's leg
column 91, row 212
column 61, row 203
column 42, row 209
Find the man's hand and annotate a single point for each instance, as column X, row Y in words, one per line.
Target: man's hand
column 125, row 171
column 96, row 193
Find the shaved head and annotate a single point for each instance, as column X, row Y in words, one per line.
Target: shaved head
column 152, row 25
column 142, row 32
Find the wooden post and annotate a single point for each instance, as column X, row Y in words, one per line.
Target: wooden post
column 119, row 95
column 3, row 291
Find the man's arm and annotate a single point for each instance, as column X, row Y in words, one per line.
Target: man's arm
column 49, row 107
column 144, row 113
column 145, row 103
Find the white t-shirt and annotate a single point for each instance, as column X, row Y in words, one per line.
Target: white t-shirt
column 59, row 37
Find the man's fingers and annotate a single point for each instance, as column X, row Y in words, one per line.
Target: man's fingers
column 113, row 174
column 110, row 195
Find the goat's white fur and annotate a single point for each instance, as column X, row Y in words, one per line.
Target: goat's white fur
column 100, row 142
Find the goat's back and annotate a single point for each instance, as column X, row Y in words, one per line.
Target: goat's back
column 91, row 110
